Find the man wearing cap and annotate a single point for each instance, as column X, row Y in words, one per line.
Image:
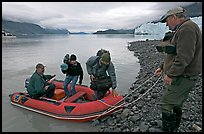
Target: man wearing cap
column 38, row 85
column 96, row 67
column 180, row 69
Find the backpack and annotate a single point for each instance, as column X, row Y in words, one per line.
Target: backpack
column 101, row 83
column 101, row 52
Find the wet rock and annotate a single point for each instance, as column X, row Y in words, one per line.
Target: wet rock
column 154, row 95
column 152, row 129
column 95, row 123
column 153, row 123
column 143, row 127
column 136, row 118
column 117, row 130
column 107, row 129
column 125, row 112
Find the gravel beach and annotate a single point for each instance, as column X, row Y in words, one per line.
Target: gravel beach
column 141, row 112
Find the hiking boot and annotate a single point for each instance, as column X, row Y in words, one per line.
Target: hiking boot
column 168, row 122
column 178, row 112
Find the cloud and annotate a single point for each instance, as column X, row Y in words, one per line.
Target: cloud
column 86, row 16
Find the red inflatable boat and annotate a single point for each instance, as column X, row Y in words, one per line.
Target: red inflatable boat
column 70, row 109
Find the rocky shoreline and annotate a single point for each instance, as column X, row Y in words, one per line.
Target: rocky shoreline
column 141, row 113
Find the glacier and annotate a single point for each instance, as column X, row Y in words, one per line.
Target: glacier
column 159, row 29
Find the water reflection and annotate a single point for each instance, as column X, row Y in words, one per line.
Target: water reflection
column 116, row 35
column 40, row 123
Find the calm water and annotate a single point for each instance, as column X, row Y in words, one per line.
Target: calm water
column 19, row 57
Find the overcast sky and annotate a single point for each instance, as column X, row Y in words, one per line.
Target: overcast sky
column 86, row 16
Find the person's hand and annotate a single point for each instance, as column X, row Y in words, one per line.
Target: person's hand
column 114, row 93
column 52, row 78
column 167, row 80
column 158, row 71
column 46, row 87
column 92, row 77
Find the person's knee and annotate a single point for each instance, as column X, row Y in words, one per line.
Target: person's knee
column 72, row 87
column 65, row 85
column 167, row 108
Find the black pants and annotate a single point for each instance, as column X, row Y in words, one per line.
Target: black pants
column 49, row 92
column 100, row 93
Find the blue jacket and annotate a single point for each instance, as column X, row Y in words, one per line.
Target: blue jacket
column 91, row 69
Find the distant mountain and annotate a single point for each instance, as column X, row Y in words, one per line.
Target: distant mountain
column 56, row 31
column 194, row 10
column 19, row 28
column 112, row 31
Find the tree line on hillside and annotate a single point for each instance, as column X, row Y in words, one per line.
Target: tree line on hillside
column 19, row 28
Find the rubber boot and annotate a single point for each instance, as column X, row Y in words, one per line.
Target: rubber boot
column 178, row 112
column 168, row 122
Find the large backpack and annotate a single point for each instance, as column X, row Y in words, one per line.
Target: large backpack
column 101, row 52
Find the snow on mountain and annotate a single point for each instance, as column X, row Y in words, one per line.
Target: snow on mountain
column 198, row 21
column 159, row 29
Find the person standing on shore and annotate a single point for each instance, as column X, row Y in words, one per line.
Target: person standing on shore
column 181, row 68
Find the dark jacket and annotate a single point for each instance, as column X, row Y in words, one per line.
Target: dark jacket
column 188, row 58
column 37, row 83
column 91, row 69
column 74, row 70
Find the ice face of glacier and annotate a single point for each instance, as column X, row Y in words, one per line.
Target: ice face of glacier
column 159, row 29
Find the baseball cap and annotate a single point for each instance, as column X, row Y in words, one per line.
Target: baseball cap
column 171, row 12
column 39, row 65
column 105, row 57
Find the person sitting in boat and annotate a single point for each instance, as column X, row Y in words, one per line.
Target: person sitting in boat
column 38, row 84
column 73, row 70
column 100, row 82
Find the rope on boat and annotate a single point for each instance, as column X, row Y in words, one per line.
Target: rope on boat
column 145, row 92
column 135, row 89
column 114, row 107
